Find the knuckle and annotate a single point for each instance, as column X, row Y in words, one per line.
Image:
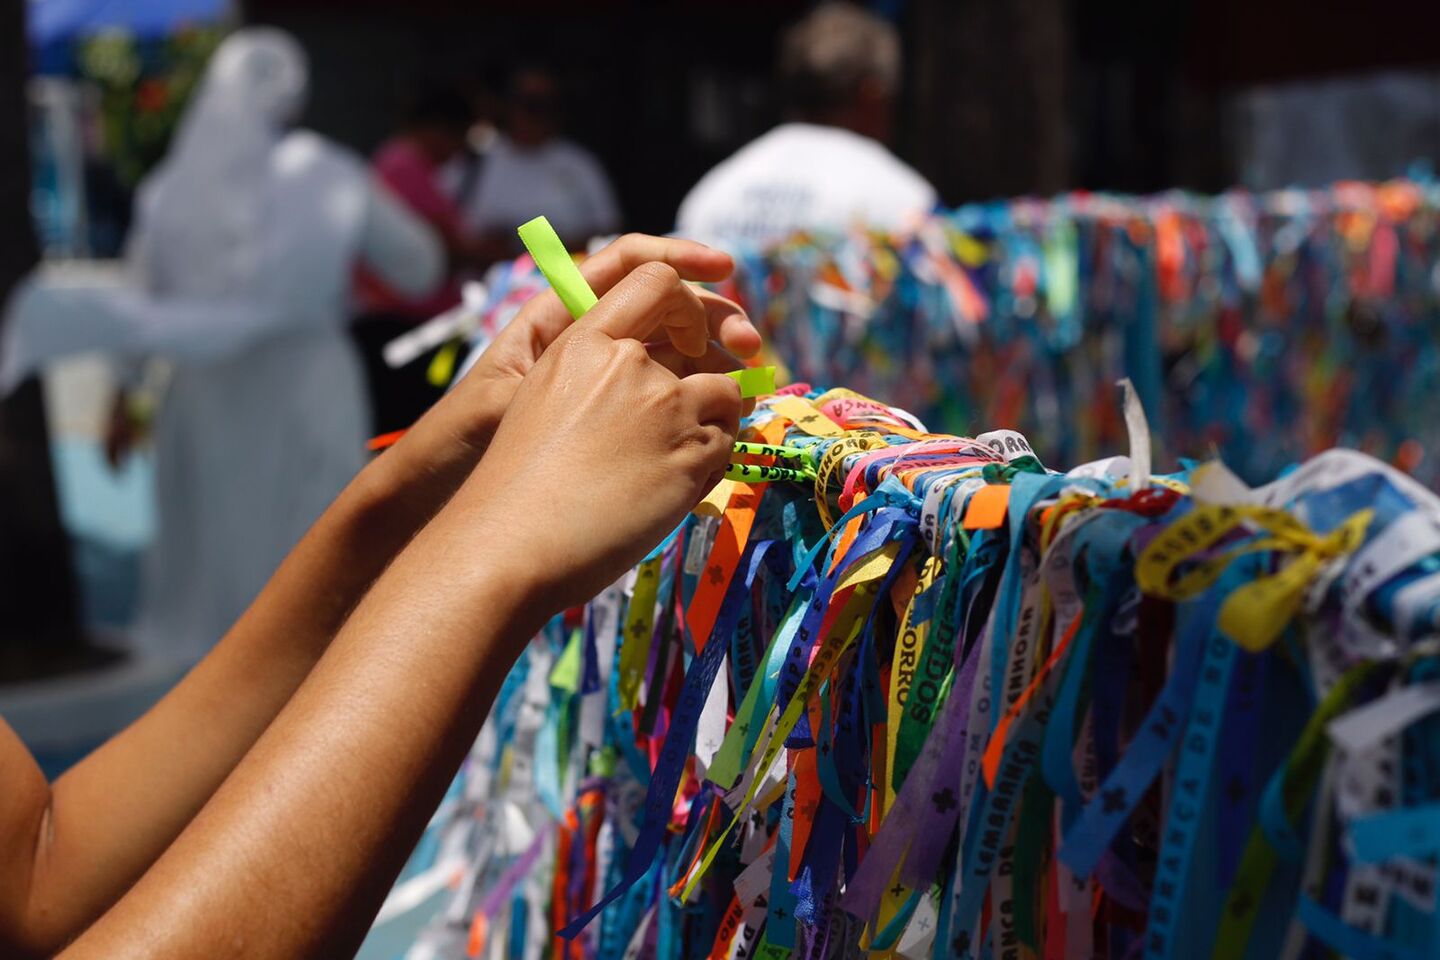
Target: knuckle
column 571, row 346
column 668, row 402
column 695, row 441
column 631, row 239
column 717, row 447
column 630, row 351
column 656, row 274
column 669, row 392
column 656, row 384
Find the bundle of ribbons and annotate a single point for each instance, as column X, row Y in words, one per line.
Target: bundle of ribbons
column 934, row 699
column 1260, row 328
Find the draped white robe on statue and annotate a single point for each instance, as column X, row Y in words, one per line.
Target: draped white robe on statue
column 245, row 244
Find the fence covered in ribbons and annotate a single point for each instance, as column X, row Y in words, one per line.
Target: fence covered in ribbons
column 1263, row 328
column 1260, row 328
column 946, row 702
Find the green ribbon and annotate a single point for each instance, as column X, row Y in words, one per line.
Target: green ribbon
column 1005, row 472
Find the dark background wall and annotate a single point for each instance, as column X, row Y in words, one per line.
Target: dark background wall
column 660, row 91
column 1002, row 97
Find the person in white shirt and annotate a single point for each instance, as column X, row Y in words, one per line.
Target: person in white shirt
column 529, row 168
column 827, row 169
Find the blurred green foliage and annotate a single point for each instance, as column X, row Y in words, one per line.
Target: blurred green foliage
column 143, row 90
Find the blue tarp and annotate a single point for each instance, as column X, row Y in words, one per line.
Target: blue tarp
column 56, row 21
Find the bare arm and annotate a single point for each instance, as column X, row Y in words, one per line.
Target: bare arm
column 67, row 854
column 293, row 855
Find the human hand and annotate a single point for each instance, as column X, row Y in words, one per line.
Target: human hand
column 449, row 440
column 604, row 448
column 486, row 390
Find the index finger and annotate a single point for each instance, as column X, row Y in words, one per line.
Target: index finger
column 545, row 316
column 691, row 260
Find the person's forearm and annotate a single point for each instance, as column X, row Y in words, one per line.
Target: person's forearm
column 588, row 385
column 293, row 855
column 115, row 820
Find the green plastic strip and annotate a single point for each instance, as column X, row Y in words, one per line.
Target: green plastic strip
column 557, row 265
column 565, row 675
column 755, row 381
column 770, row 449
column 750, row 473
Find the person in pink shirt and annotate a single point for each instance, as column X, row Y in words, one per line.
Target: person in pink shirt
column 408, row 165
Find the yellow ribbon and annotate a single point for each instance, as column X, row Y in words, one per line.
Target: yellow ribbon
column 904, row 664
column 639, row 624
column 1255, row 614
column 832, row 461
column 442, row 365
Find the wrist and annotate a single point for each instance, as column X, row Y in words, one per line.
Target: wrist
column 377, row 491
column 441, row 450
column 505, row 580
column 472, row 411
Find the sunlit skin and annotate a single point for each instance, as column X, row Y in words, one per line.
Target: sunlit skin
column 264, row 807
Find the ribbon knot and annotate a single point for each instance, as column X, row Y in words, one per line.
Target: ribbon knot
column 1256, row 613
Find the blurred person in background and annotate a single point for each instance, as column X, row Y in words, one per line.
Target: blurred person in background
column 827, row 168
column 245, row 243
column 530, row 168
column 409, row 166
